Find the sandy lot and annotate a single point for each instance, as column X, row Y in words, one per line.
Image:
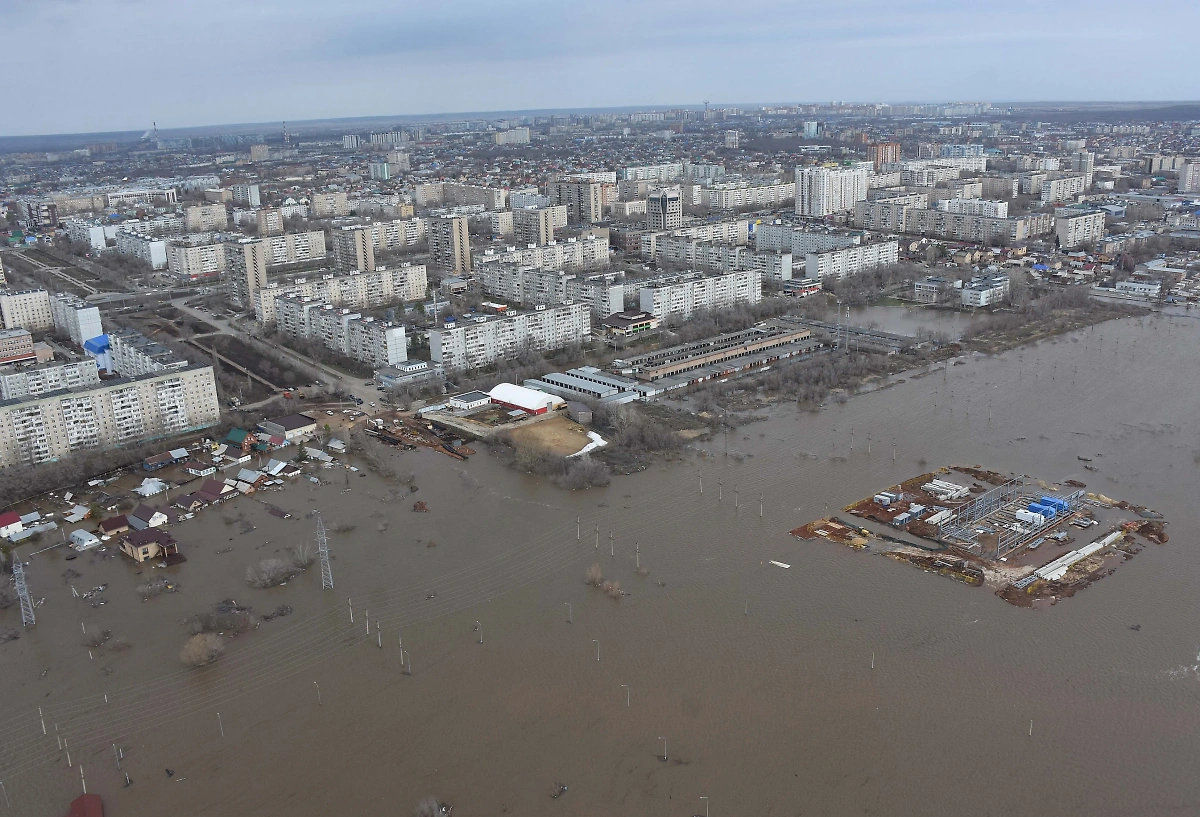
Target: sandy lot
column 558, row 436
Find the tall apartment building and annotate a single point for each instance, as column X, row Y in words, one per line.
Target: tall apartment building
column 247, row 261
column 294, row 248
column 26, row 309
column 386, row 235
column 681, row 296
column 974, row 207
column 269, row 221
column 889, row 216
column 247, row 195
column 450, row 243
column 583, row 200
column 1083, row 162
column 823, row 191
column 711, row 257
column 379, row 171
column 378, row 343
column 1064, row 189
column 353, row 249
column 124, row 411
column 30, row 381
column 328, row 205
column 883, row 153
column 199, row 257
column 731, row 139
column 206, row 218
column 533, row 225
column 516, row 136
column 572, row 254
column 351, row 141
column 456, row 194
column 531, row 198
column 837, row 264
column 259, row 153
column 1189, row 177
column 1076, row 230
column 75, row 318
column 398, row 160
column 133, row 354
column 664, row 210
column 475, row 342
column 149, row 249
column 358, row 290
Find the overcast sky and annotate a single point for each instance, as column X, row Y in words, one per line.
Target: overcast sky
column 96, row 65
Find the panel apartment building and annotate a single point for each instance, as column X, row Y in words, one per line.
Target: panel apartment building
column 889, row 216
column 26, row 309
column 475, row 342
column 712, row 257
column 682, row 295
column 360, row 290
column 75, row 318
column 377, row 343
column 31, row 381
column 124, row 411
column 573, row 254
column 604, row 294
column 823, row 191
column 834, row 265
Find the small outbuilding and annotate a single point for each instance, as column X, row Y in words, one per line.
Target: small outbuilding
column 530, row 401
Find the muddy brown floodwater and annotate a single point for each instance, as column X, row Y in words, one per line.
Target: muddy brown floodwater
column 759, row 678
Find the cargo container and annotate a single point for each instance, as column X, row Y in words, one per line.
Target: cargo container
column 902, row 519
column 883, row 499
column 1059, row 505
column 916, row 510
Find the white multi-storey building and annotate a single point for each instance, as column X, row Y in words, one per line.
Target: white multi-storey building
column 74, row 318
column 35, row 380
column 200, row 257
column 735, row 195
column 124, row 411
column 798, row 241
column 146, row 248
column 475, row 342
column 837, row 264
column 516, row 136
column 26, row 309
column 359, row 290
column 714, row 257
column 133, row 355
column 681, row 296
column 1064, row 189
column 572, row 254
column 823, row 191
column 247, row 195
column 1189, row 178
column 668, row 172
column 205, row 218
column 379, row 343
column 1075, row 230
column 985, row 291
column 974, row 207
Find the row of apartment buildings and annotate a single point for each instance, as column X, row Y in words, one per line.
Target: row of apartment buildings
column 356, row 290
column 478, row 341
column 377, row 343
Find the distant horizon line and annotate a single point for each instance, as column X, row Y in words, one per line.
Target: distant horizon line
column 433, row 118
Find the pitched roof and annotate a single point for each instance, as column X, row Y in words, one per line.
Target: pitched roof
column 144, row 512
column 9, row 518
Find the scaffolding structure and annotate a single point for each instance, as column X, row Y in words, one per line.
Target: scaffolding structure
column 994, row 514
column 28, row 617
column 323, row 553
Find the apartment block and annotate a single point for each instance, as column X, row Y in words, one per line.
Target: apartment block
column 149, row 249
column 1189, row 177
column 353, row 249
column 985, row 290
column 247, row 260
column 1063, row 189
column 516, row 136
column 533, row 225
column 583, row 200
column 133, row 355
column 75, row 318
column 124, row 411
column 823, row 191
column 681, row 296
column 450, row 243
column 199, row 257
column 883, row 153
column 798, row 241
column 269, row 221
column 16, row 346
column 974, row 207
column 573, row 254
column 667, row 172
column 885, row 216
column 664, row 210
column 328, row 205
column 205, row 218
column 530, row 198
column 358, row 290
column 398, row 160
column 247, row 195
column 1001, row 187
column 26, row 309
column 375, row 342
column 1076, row 230
column 736, row 195
column 835, row 265
column 31, row 381
column 712, row 257
column 474, row 342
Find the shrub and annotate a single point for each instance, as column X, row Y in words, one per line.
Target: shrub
column 612, row 589
column 302, row 557
column 96, row 638
column 429, row 807
column 594, row 576
column 269, row 573
column 201, row 650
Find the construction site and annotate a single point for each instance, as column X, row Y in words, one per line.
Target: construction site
column 1032, row 541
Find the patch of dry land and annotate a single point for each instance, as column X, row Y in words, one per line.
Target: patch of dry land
column 559, row 436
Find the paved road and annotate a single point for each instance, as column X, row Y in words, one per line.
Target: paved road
column 314, row 370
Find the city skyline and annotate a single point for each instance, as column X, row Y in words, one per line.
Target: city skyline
column 407, row 59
